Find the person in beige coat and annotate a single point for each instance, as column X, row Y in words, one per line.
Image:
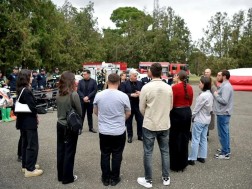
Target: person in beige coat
column 156, row 101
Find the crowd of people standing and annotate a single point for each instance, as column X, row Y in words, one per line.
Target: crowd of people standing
column 162, row 112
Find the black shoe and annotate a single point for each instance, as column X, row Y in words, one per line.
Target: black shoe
column 19, row 159
column 115, row 181
column 140, row 138
column 129, row 139
column 92, row 130
column 201, row 160
column 191, row 162
column 105, row 182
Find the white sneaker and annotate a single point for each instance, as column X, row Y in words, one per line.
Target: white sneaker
column 146, row 183
column 75, row 177
column 222, row 156
column 166, row 181
column 36, row 167
column 36, row 172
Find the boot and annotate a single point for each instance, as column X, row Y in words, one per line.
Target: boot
column 12, row 115
column 8, row 111
column 3, row 111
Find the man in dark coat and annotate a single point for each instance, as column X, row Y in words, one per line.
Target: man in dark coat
column 12, row 79
column 34, row 80
column 132, row 88
column 42, row 79
column 87, row 89
column 147, row 79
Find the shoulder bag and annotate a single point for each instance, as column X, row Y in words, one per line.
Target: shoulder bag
column 21, row 108
column 74, row 120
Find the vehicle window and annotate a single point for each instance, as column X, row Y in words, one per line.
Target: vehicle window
column 185, row 68
column 174, row 67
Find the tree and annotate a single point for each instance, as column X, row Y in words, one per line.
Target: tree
column 128, row 19
column 218, row 34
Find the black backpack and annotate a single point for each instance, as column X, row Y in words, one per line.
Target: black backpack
column 74, row 120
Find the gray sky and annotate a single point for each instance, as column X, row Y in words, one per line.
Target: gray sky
column 196, row 13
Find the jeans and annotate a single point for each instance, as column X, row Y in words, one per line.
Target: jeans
column 148, row 144
column 111, row 145
column 199, row 141
column 223, row 132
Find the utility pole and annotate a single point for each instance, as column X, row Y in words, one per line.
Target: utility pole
column 155, row 13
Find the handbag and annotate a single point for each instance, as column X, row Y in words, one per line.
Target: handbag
column 21, row 108
column 74, row 120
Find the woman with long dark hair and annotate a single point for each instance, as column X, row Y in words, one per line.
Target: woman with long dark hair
column 28, row 124
column 66, row 138
column 201, row 115
column 180, row 115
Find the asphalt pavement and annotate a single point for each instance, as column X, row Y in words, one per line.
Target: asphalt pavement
column 233, row 173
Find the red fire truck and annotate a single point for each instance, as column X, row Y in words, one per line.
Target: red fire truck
column 167, row 67
column 144, row 66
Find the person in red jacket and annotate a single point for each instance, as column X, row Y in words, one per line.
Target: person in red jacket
column 180, row 115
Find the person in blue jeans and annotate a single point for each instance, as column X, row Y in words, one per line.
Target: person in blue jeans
column 201, row 117
column 156, row 124
column 223, row 108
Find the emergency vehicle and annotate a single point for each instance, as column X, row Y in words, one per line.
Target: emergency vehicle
column 95, row 67
column 168, row 69
column 144, row 66
column 175, row 68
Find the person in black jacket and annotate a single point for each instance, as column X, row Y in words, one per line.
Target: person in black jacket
column 28, row 124
column 35, row 80
column 132, row 88
column 87, row 89
column 12, row 79
column 147, row 79
column 42, row 79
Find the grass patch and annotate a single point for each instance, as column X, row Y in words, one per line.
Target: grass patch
column 194, row 79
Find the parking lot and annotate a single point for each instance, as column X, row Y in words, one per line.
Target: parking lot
column 233, row 173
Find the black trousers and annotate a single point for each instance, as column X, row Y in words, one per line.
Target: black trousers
column 29, row 149
column 139, row 119
column 111, row 145
column 19, row 152
column 87, row 107
column 179, row 137
column 66, row 149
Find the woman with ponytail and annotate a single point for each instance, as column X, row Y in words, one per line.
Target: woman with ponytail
column 180, row 115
